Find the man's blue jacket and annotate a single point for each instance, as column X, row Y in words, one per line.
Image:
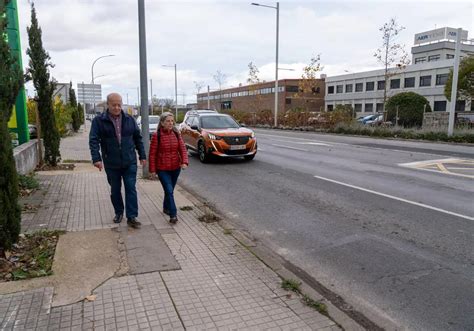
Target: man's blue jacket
column 115, row 155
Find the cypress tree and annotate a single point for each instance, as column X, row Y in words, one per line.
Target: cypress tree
column 80, row 111
column 11, row 80
column 76, row 120
column 39, row 73
column 72, row 96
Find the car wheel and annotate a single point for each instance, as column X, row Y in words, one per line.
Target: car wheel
column 249, row 157
column 203, row 155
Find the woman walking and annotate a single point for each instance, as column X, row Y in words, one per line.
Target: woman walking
column 168, row 156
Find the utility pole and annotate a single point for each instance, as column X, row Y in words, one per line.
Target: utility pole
column 208, row 98
column 143, row 80
column 454, row 87
column 151, row 96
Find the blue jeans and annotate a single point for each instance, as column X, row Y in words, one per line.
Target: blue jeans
column 129, row 177
column 168, row 179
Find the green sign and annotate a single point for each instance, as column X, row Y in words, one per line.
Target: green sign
column 18, row 123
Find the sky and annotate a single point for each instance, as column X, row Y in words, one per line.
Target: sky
column 203, row 36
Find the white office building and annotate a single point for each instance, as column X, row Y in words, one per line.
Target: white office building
column 433, row 57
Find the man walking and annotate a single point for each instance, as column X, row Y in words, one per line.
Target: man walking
column 114, row 140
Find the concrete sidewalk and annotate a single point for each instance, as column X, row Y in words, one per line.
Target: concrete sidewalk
column 192, row 275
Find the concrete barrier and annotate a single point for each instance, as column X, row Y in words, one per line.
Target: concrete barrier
column 26, row 157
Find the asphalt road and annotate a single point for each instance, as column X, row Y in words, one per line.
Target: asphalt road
column 365, row 217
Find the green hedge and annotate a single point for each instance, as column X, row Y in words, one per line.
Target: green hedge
column 458, row 137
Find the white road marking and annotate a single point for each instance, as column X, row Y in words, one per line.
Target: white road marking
column 398, row 199
column 304, row 139
column 289, row 147
column 427, row 163
column 441, row 166
column 312, row 143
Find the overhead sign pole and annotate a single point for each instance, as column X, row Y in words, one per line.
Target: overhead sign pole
column 18, row 123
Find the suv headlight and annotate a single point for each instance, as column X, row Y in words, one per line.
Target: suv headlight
column 252, row 135
column 213, row 136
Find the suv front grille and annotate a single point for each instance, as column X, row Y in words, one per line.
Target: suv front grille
column 238, row 140
column 236, row 152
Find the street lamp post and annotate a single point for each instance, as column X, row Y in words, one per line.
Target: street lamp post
column 92, row 72
column 276, row 55
column 175, row 88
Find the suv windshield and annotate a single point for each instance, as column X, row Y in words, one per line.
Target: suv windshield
column 218, row 122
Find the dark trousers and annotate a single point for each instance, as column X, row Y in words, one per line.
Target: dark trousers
column 168, row 179
column 129, row 177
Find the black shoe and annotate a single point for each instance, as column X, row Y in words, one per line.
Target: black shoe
column 118, row 218
column 166, row 211
column 173, row 220
column 132, row 222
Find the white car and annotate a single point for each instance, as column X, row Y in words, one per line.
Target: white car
column 153, row 121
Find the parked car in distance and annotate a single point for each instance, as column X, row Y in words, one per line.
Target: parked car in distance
column 217, row 135
column 33, row 131
column 465, row 120
column 375, row 121
column 367, row 118
column 153, row 121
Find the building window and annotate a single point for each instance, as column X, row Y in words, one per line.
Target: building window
column 295, row 89
column 439, row 106
column 435, row 57
column 369, row 86
column 420, row 59
column 315, row 90
column 226, row 105
column 394, row 83
column 460, row 105
column 380, row 85
column 348, row 88
column 358, row 107
column 409, row 82
column 441, row 79
column 339, row 88
column 379, row 107
column 330, row 107
column 425, row 81
column 330, row 89
column 288, row 101
column 369, row 107
column 359, row 87
column 449, row 56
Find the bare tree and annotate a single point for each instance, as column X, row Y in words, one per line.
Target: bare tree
column 391, row 53
column 220, row 79
column 253, row 74
column 308, row 85
column 198, row 85
column 253, row 80
column 166, row 103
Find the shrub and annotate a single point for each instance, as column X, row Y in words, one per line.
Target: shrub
column 410, row 109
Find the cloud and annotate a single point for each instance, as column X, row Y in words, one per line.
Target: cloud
column 202, row 37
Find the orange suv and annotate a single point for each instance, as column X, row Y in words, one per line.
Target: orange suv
column 214, row 134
